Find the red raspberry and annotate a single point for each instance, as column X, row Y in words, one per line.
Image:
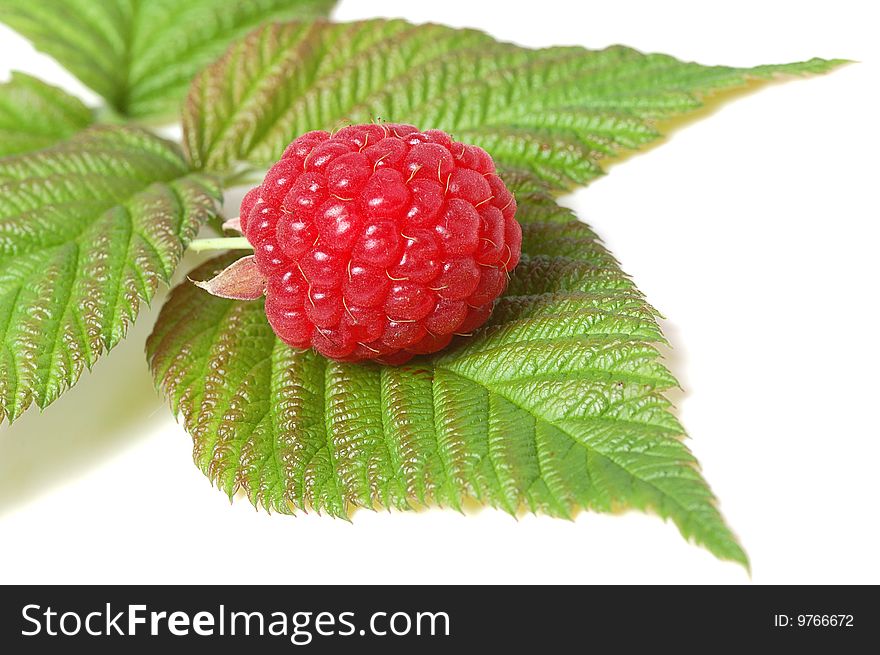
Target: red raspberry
column 381, row 241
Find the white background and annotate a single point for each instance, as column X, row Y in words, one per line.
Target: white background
column 755, row 230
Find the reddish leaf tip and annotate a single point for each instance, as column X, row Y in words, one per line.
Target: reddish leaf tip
column 239, row 281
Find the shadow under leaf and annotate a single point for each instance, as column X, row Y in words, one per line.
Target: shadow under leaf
column 108, row 409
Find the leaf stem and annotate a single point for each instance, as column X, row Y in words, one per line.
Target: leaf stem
column 223, row 243
column 245, row 177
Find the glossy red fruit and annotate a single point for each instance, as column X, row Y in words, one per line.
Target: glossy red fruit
column 381, row 241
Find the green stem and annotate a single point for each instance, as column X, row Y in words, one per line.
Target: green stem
column 223, row 243
column 107, row 115
column 246, row 177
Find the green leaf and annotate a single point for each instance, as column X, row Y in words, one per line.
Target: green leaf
column 556, row 111
column 555, row 405
column 141, row 55
column 88, row 229
column 34, row 115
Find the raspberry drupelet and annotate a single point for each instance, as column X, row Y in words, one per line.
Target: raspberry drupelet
column 380, row 241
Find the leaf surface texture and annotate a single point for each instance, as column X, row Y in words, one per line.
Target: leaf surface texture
column 141, row 55
column 88, row 229
column 555, row 405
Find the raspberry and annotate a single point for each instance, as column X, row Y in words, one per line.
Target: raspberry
column 380, row 241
